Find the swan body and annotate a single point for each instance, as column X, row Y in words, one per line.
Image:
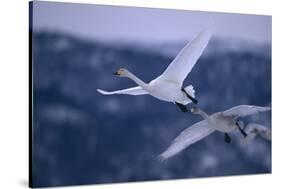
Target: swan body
column 218, row 121
column 169, row 91
column 221, row 121
column 168, row 86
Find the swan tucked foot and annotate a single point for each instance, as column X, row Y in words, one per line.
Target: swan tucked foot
column 190, row 97
column 227, row 138
column 241, row 130
column 182, row 107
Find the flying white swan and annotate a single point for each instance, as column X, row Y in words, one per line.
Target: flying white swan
column 221, row 121
column 254, row 129
column 168, row 86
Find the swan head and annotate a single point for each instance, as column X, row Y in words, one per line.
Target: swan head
column 194, row 110
column 121, row 72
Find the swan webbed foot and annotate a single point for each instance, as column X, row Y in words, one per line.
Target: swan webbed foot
column 227, row 138
column 182, row 107
column 190, row 97
column 241, row 130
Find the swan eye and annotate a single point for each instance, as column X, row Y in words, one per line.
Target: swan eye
column 119, row 72
column 116, row 73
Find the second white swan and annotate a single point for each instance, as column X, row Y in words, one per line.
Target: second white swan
column 225, row 122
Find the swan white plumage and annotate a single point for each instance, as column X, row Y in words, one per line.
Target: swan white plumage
column 221, row 121
column 254, row 129
column 168, row 86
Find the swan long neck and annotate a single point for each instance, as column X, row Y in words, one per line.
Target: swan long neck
column 204, row 115
column 137, row 80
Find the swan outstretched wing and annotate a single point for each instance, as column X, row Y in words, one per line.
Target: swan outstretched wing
column 245, row 110
column 129, row 91
column 187, row 137
column 254, row 129
column 186, row 59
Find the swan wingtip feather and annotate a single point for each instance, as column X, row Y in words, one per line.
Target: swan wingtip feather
column 161, row 158
column 102, row 92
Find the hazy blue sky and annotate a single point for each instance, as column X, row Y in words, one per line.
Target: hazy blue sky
column 146, row 24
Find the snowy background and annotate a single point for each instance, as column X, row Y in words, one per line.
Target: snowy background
column 82, row 137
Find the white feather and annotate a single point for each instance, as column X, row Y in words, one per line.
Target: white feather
column 245, row 110
column 187, row 137
column 129, row 91
column 187, row 57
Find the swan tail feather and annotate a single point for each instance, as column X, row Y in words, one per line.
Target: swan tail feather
column 190, row 90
